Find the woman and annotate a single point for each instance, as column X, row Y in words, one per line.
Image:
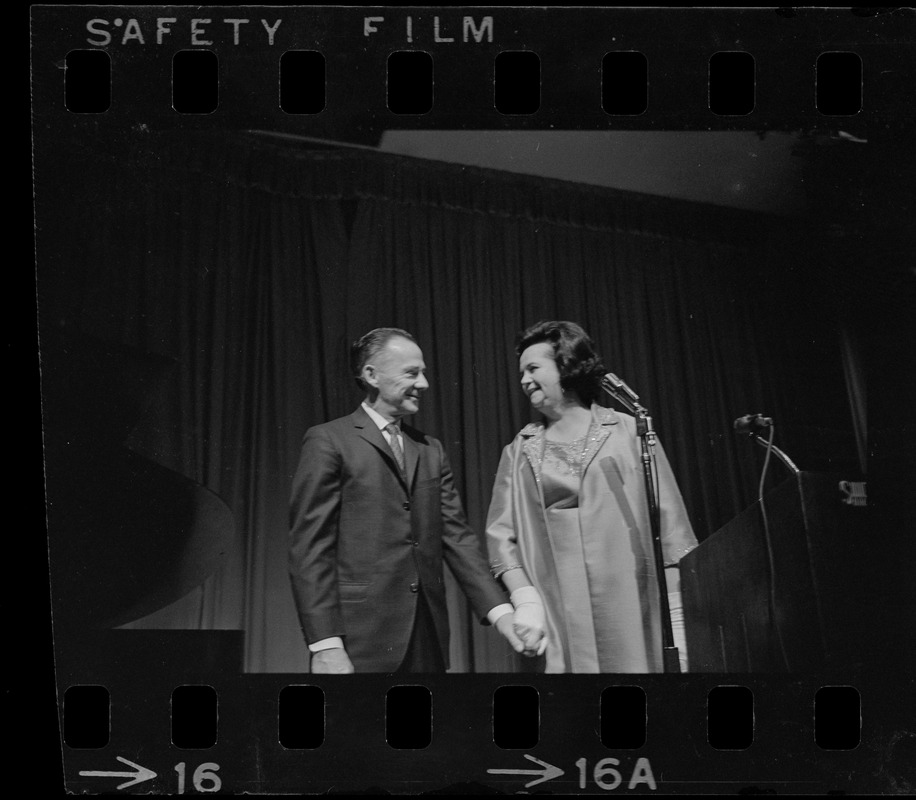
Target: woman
column 568, row 528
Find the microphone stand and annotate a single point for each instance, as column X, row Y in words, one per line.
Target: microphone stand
column 628, row 399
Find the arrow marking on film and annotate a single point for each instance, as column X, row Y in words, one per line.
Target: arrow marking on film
column 548, row 773
column 139, row 774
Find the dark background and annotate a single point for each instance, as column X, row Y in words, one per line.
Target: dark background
column 199, row 279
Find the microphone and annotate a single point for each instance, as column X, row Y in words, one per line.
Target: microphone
column 618, row 384
column 750, row 423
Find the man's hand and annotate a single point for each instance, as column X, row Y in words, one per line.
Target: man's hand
column 529, row 620
column 505, row 627
column 529, row 623
column 333, row 661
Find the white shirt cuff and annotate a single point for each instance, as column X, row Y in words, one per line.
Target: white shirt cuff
column 326, row 644
column 495, row 613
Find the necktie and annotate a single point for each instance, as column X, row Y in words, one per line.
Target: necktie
column 396, row 444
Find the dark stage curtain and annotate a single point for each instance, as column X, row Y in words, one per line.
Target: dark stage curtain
column 254, row 262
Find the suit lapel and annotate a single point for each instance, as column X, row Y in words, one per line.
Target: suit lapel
column 369, row 431
column 598, row 431
column 533, row 446
column 411, row 457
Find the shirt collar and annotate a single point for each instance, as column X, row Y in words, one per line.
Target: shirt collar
column 378, row 419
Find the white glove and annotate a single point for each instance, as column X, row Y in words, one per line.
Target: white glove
column 529, row 619
column 678, row 629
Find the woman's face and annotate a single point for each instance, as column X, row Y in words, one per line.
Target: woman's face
column 540, row 377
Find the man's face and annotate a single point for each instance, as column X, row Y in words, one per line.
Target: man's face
column 398, row 373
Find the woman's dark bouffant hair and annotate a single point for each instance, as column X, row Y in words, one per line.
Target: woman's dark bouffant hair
column 579, row 365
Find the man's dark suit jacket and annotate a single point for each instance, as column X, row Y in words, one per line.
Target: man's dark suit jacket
column 365, row 542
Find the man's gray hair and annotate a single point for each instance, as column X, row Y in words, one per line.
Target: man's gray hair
column 367, row 347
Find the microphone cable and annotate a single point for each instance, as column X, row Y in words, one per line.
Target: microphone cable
column 769, row 546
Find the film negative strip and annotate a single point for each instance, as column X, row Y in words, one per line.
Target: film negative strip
column 227, row 197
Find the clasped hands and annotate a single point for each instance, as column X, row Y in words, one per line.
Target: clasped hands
column 526, row 627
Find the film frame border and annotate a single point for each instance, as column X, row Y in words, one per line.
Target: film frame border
column 890, row 51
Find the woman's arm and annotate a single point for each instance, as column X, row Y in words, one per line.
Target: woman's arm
column 677, row 534
column 529, row 619
column 502, row 539
column 515, row 578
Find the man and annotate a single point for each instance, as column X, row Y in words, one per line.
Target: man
column 374, row 513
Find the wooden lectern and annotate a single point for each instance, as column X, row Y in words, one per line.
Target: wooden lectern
column 802, row 602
